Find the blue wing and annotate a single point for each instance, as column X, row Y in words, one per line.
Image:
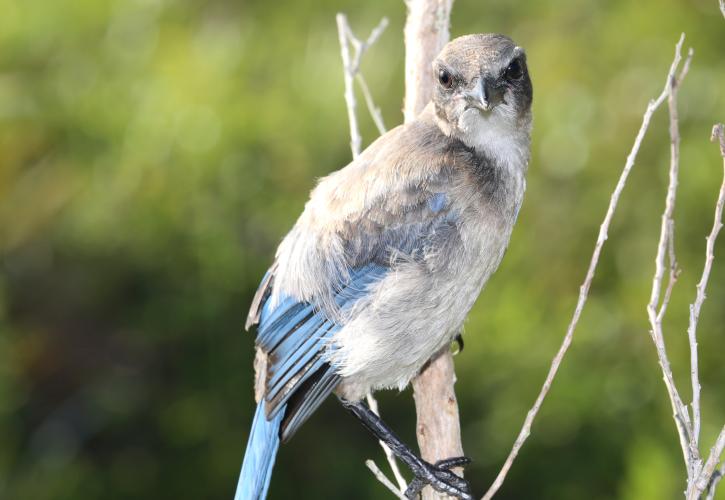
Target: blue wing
column 295, row 336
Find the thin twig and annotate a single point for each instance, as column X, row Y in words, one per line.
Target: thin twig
column 360, row 46
column 685, row 427
column 674, row 163
column 714, row 481
column 351, row 69
column 704, row 477
column 708, row 470
column 342, row 31
column 372, row 108
column 674, row 271
column 701, row 287
column 383, row 479
column 402, row 484
column 722, row 7
column 694, row 368
column 584, row 289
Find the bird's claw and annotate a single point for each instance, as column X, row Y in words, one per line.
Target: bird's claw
column 440, row 477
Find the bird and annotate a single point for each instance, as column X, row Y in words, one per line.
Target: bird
column 389, row 255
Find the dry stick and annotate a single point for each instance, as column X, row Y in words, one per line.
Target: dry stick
column 402, row 485
column 722, row 7
column 685, row 427
column 383, row 479
column 426, row 33
column 584, row 289
column 714, row 481
column 674, row 270
column 694, row 369
column 697, row 306
column 351, row 68
column 347, row 69
column 372, row 108
column 708, row 470
column 438, row 428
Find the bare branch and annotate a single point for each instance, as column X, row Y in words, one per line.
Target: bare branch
column 342, row 31
column 372, row 108
column 685, row 427
column 438, row 428
column 722, row 7
column 704, row 478
column 708, row 470
column 426, row 33
column 351, row 68
column 584, row 289
column 714, row 481
column 717, row 135
column 694, row 368
column 360, row 46
column 674, row 271
column 381, row 477
column 402, row 485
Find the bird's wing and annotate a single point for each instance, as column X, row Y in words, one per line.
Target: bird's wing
column 294, row 336
column 359, row 221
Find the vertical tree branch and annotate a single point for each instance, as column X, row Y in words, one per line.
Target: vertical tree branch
column 402, row 485
column 348, row 75
column 426, row 33
column 685, row 429
column 438, row 427
column 707, row 477
column 696, row 306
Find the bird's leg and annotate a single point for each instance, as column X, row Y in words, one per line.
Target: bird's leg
column 438, row 475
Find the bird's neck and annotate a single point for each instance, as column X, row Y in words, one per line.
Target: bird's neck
column 502, row 140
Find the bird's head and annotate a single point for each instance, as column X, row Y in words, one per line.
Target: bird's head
column 482, row 87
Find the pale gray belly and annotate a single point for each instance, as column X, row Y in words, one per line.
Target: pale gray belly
column 413, row 312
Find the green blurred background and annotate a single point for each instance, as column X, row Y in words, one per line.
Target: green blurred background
column 153, row 154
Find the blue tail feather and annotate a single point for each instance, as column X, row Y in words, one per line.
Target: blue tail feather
column 295, row 337
column 259, row 457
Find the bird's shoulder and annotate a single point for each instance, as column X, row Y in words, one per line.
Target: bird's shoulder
column 410, row 168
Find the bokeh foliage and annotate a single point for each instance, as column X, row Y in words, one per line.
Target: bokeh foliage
column 152, row 155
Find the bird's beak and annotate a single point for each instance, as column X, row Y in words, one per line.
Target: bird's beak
column 485, row 96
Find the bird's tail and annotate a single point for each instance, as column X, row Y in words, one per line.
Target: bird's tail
column 259, row 457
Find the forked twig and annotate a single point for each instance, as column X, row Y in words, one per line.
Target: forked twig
column 706, row 479
column 685, row 426
column 383, row 479
column 351, row 68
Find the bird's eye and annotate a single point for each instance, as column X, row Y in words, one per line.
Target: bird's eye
column 515, row 71
column 445, row 78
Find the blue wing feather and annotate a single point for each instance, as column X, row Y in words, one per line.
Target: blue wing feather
column 295, row 336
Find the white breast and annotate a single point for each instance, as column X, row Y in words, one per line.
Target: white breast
column 496, row 135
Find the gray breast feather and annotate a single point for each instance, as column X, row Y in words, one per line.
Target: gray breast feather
column 394, row 203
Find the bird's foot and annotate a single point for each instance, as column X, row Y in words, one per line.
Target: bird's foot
column 440, row 477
